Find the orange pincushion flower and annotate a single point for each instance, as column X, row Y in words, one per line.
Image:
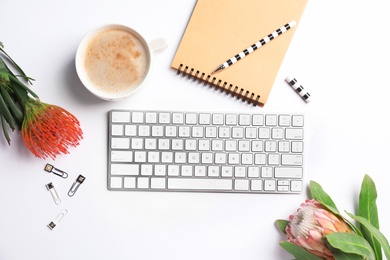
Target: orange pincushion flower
column 49, row 130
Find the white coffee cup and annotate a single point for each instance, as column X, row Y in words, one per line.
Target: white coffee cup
column 114, row 61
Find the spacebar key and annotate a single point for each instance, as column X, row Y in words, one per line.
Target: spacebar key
column 199, row 184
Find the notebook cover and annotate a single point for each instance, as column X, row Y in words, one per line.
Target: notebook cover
column 220, row 29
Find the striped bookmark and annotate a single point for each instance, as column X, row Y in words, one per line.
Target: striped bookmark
column 298, row 88
column 255, row 46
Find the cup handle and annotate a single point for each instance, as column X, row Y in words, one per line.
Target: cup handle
column 158, row 45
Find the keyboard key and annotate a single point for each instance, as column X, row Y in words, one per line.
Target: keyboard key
column 244, row 120
column 143, row 183
column 269, row 185
column 130, row 130
column 164, row 118
column 120, row 143
column 124, row 169
column 191, row 119
column 160, row 170
column 186, row 170
column 137, row 117
column 204, row 119
column 173, row 170
column 256, row 185
column 157, row 183
column 218, row 119
column 151, row 117
column 284, row 120
column 146, row 169
column 178, row 118
column 294, row 133
column 297, row 147
column 257, row 120
column 271, row 120
column 121, row 156
column 241, row 185
column 129, row 182
column 227, row 171
column 120, row 117
column 116, row 183
column 200, row 184
column 288, row 172
column 117, row 130
column 231, row 119
column 292, row 159
column 297, row 120
column 296, row 186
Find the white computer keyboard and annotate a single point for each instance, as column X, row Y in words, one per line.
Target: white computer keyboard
column 205, row 151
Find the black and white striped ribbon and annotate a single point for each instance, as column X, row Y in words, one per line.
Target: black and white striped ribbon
column 298, row 88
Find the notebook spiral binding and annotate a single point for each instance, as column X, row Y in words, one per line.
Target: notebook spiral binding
column 237, row 92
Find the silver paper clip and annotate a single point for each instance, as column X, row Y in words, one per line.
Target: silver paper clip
column 58, row 219
column 54, row 193
column 76, row 185
column 54, row 170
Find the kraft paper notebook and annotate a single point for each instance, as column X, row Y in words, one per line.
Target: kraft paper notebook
column 219, row 29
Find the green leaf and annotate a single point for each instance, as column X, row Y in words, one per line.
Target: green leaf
column 18, row 115
column 5, row 131
column 281, row 224
column 16, row 66
column 321, row 196
column 4, row 111
column 350, row 243
column 340, row 255
column 375, row 232
column 17, row 83
column 298, row 251
column 1, row 45
column 368, row 210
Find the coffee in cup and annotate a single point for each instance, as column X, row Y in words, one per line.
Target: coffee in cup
column 113, row 61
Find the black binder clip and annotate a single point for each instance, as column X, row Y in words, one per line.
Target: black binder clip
column 76, row 185
column 54, row 170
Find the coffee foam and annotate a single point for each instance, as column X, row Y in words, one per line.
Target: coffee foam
column 116, row 61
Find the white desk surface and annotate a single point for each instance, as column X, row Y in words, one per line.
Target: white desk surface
column 340, row 53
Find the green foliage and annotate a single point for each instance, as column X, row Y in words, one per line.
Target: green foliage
column 281, row 224
column 375, row 233
column 14, row 93
column 298, row 251
column 368, row 210
column 350, row 243
column 367, row 242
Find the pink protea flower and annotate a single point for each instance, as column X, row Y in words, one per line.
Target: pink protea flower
column 49, row 130
column 308, row 226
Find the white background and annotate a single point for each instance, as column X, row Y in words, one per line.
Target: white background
column 340, row 54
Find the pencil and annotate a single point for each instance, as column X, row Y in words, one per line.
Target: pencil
column 255, row 46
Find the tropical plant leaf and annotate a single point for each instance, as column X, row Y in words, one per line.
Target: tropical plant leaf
column 4, row 111
column 281, row 224
column 368, row 210
column 5, row 131
column 340, row 255
column 13, row 108
column 16, row 66
column 350, row 243
column 298, row 251
column 321, row 196
column 375, row 232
